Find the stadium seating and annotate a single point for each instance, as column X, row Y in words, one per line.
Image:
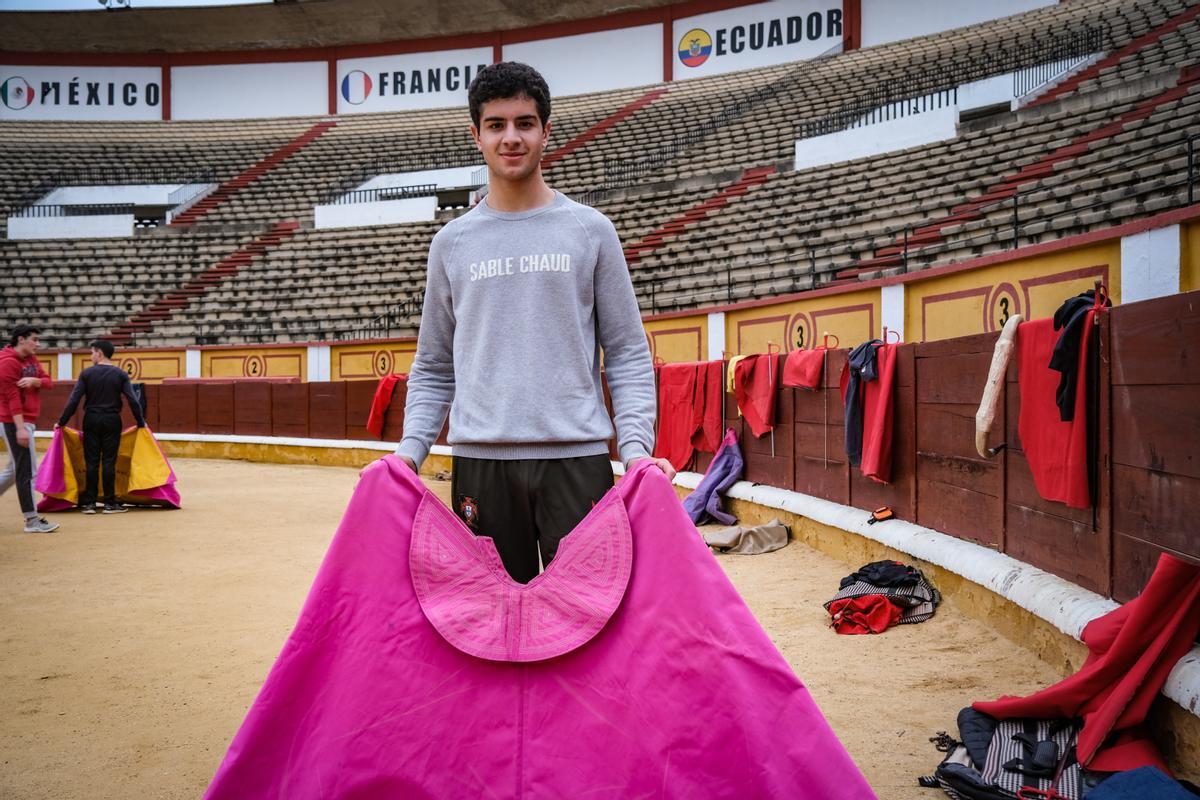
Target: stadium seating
column 1105, row 147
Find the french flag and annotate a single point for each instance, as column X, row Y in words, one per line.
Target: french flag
column 356, row 87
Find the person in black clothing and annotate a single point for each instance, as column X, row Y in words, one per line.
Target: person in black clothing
column 102, row 385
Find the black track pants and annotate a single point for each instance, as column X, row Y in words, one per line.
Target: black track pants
column 527, row 504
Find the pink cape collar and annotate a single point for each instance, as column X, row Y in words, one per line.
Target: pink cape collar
column 472, row 602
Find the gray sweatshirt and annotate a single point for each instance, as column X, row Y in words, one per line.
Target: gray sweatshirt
column 517, row 308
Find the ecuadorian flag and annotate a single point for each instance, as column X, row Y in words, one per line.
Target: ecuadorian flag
column 695, row 47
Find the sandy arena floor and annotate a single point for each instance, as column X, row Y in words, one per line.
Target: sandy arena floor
column 133, row 644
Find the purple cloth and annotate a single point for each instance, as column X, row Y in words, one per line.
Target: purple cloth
column 678, row 694
column 704, row 504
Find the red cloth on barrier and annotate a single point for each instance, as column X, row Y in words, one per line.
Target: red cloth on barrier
column 877, row 414
column 676, row 415
column 802, row 368
column 877, row 418
column 869, row 613
column 1056, row 450
column 754, row 387
column 1131, row 651
column 381, row 401
column 710, row 405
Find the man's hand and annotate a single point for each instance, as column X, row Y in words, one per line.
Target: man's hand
column 22, row 436
column 29, row 383
column 661, row 463
column 411, row 464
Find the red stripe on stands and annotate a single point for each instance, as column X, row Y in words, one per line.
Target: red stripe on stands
column 249, row 176
column 676, row 227
column 163, row 308
column 602, row 126
column 1117, row 56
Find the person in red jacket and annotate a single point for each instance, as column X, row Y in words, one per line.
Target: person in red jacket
column 21, row 380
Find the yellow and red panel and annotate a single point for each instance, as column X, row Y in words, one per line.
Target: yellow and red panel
column 1189, row 257
column 851, row 317
column 678, row 339
column 981, row 300
column 365, row 360
column 251, row 362
column 143, row 366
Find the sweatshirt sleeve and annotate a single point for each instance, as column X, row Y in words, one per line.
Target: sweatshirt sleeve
column 627, row 362
column 47, row 381
column 431, row 379
column 10, row 395
column 72, row 402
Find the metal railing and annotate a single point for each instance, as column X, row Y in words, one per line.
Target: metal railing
column 855, row 118
column 107, row 176
column 187, row 196
column 396, row 164
column 76, row 210
column 1063, row 55
column 1192, row 178
column 399, row 316
column 930, row 80
column 380, row 194
column 123, row 176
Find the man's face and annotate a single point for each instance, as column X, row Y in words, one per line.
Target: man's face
column 28, row 345
column 97, row 356
column 511, row 137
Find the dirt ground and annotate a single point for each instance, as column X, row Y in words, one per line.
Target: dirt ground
column 133, row 644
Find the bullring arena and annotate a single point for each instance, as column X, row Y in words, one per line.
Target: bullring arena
column 793, row 184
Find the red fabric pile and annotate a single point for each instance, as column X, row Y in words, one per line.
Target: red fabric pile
column 869, row 613
column 1131, row 651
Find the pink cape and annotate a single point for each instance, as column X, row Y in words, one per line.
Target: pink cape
column 629, row 668
column 144, row 475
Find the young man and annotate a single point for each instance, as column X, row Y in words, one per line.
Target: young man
column 102, row 385
column 21, row 380
column 522, row 293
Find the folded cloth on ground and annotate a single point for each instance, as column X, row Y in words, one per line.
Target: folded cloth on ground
column 748, row 540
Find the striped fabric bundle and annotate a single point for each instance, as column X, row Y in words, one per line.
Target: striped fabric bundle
column 919, row 601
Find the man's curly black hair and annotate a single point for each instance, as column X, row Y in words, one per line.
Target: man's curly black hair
column 506, row 80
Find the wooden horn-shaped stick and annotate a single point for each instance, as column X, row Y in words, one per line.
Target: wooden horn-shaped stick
column 991, row 390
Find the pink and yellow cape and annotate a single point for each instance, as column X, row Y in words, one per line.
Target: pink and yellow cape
column 144, row 476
